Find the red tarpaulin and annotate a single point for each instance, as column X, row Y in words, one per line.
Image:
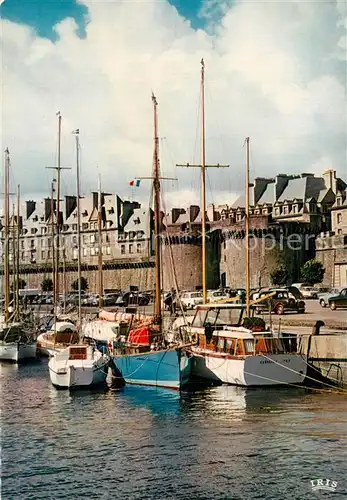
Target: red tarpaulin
column 140, row 336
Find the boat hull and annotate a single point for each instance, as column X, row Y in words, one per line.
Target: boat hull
column 170, row 368
column 15, row 352
column 269, row 370
column 78, row 374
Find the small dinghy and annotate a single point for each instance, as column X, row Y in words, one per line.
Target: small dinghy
column 78, row 366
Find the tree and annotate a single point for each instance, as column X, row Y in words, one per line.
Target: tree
column 312, row 272
column 47, row 285
column 84, row 284
column 279, row 276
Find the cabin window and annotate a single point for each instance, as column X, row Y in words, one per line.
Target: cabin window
column 199, row 319
column 249, row 346
column 230, row 345
column 220, row 344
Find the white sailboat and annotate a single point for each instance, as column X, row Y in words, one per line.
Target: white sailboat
column 16, row 344
column 225, row 351
column 78, row 366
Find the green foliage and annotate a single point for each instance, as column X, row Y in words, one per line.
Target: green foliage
column 47, row 285
column 279, row 276
column 84, row 284
column 312, row 272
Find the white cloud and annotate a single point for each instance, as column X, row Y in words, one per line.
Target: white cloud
column 275, row 71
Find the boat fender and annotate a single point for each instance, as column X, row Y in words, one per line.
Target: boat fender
column 110, row 346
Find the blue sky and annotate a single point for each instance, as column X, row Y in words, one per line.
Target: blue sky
column 43, row 15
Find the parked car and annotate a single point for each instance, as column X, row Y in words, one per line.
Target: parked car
column 283, row 301
column 110, row 299
column 191, row 299
column 216, row 295
column 324, row 297
column 308, row 291
column 338, row 301
column 132, row 299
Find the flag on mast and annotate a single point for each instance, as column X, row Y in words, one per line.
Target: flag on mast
column 135, row 183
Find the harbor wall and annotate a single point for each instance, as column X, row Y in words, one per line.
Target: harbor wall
column 119, row 278
column 327, row 353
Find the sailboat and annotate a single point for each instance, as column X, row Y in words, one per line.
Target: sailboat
column 141, row 357
column 229, row 348
column 78, row 365
column 16, row 343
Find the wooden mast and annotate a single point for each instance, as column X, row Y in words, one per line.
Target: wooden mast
column 58, row 211
column 76, row 133
column 157, row 221
column 100, row 280
column 17, row 253
column 203, row 185
column 203, row 167
column 6, row 239
column 53, row 245
column 247, row 230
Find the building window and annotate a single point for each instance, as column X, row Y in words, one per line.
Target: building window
column 85, row 238
column 75, row 254
column 92, row 251
column 122, row 249
column 74, row 227
column 92, row 238
column 85, row 252
column 131, row 248
column 285, row 210
column 85, row 226
column 22, row 244
column 42, row 254
column 107, row 238
column 33, row 230
column 277, row 211
column 32, row 243
column 49, row 254
column 139, row 248
column 23, row 256
column 49, row 242
column 74, row 240
column 338, row 201
column 108, row 250
column 339, row 218
column 339, row 231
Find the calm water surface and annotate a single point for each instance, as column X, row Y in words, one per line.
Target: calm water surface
column 139, row 443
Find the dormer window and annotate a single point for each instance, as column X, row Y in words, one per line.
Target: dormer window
column 338, row 201
column 277, row 211
column 111, row 210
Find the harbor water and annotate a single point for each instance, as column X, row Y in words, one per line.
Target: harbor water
column 145, row 443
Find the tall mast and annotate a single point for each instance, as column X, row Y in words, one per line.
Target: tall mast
column 156, row 188
column 100, row 281
column 76, row 133
column 247, row 230
column 58, row 210
column 14, row 261
column 203, row 167
column 203, row 185
column 6, row 239
column 53, row 249
column 17, row 254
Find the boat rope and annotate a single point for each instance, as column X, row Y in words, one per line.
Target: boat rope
column 306, row 376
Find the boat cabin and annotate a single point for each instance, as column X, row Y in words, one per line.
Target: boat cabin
column 220, row 328
column 78, row 352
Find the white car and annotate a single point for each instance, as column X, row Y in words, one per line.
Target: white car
column 216, row 295
column 191, row 299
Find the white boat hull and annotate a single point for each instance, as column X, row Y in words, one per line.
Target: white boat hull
column 78, row 373
column 17, row 351
column 274, row 369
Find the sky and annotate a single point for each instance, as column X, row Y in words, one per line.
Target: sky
column 274, row 70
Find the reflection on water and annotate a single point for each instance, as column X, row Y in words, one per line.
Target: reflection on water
column 146, row 443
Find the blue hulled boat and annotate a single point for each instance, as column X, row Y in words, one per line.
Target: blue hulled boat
column 170, row 368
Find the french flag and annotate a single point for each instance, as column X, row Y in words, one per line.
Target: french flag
column 135, row 183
